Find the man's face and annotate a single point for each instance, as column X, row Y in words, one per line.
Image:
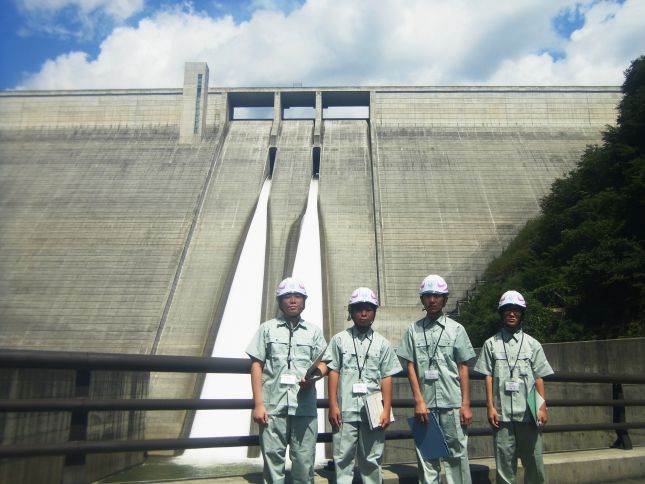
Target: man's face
column 433, row 303
column 512, row 317
column 292, row 305
column 363, row 314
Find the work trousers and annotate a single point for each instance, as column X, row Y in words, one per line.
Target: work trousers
column 300, row 434
column 355, row 441
column 456, row 466
column 523, row 440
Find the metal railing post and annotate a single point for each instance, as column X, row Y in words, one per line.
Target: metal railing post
column 74, row 471
column 622, row 436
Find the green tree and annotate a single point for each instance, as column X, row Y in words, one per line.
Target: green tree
column 581, row 263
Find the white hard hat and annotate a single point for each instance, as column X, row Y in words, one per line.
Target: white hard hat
column 511, row 298
column 363, row 295
column 290, row 285
column 433, row 284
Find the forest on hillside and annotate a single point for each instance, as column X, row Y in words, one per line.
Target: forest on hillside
column 581, row 263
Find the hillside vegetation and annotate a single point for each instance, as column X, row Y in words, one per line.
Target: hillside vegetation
column 581, row 263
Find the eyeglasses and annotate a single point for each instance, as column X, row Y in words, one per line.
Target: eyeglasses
column 514, row 310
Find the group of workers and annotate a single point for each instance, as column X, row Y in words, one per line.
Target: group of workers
column 288, row 354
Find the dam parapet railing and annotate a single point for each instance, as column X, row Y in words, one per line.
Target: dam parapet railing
column 90, row 422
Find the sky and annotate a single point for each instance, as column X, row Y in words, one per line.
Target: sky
column 114, row 44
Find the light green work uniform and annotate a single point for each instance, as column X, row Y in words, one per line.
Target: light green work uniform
column 286, row 355
column 436, row 348
column 519, row 358
column 359, row 358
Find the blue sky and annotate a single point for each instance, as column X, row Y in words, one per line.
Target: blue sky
column 94, row 44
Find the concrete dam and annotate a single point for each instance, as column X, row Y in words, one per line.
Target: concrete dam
column 123, row 212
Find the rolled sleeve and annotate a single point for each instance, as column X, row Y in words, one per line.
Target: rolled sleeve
column 541, row 367
column 257, row 346
column 484, row 363
column 463, row 348
column 320, row 345
column 390, row 365
column 332, row 355
column 406, row 349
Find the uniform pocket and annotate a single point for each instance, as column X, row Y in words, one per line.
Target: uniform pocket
column 446, row 347
column 422, row 354
column 501, row 365
column 524, row 364
column 277, row 349
column 349, row 361
column 303, row 351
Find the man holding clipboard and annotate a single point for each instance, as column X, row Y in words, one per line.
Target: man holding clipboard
column 282, row 352
column 514, row 365
column 437, row 350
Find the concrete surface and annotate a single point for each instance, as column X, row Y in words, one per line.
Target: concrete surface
column 586, row 467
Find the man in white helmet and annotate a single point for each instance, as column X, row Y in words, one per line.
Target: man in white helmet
column 514, row 363
column 437, row 350
column 281, row 352
column 360, row 362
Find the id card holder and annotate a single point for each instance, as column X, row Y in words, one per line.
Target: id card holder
column 512, row 386
column 288, row 379
column 431, row 374
column 359, row 388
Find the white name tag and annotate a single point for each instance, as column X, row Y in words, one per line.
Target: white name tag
column 288, row 380
column 431, row 374
column 359, row 388
column 512, row 386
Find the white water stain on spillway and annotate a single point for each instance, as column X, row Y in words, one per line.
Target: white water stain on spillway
column 307, row 268
column 235, row 332
column 240, row 320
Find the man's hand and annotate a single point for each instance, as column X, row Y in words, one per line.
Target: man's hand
column 542, row 415
column 493, row 417
column 311, row 377
column 465, row 415
column 260, row 415
column 421, row 412
column 335, row 418
column 384, row 419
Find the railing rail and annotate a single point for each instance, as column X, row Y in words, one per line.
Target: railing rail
column 83, row 363
column 77, row 360
column 95, row 405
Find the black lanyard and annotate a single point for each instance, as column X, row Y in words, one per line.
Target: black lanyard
column 434, row 353
column 508, row 362
column 358, row 363
column 291, row 330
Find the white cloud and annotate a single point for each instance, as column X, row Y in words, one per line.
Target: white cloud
column 364, row 42
column 596, row 54
column 118, row 9
column 80, row 19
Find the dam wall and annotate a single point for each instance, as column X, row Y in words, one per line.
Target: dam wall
column 134, row 108
column 291, row 177
column 347, row 220
column 204, row 273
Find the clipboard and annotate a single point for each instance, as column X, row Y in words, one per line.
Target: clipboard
column 535, row 401
column 374, row 407
column 313, row 373
column 429, row 438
